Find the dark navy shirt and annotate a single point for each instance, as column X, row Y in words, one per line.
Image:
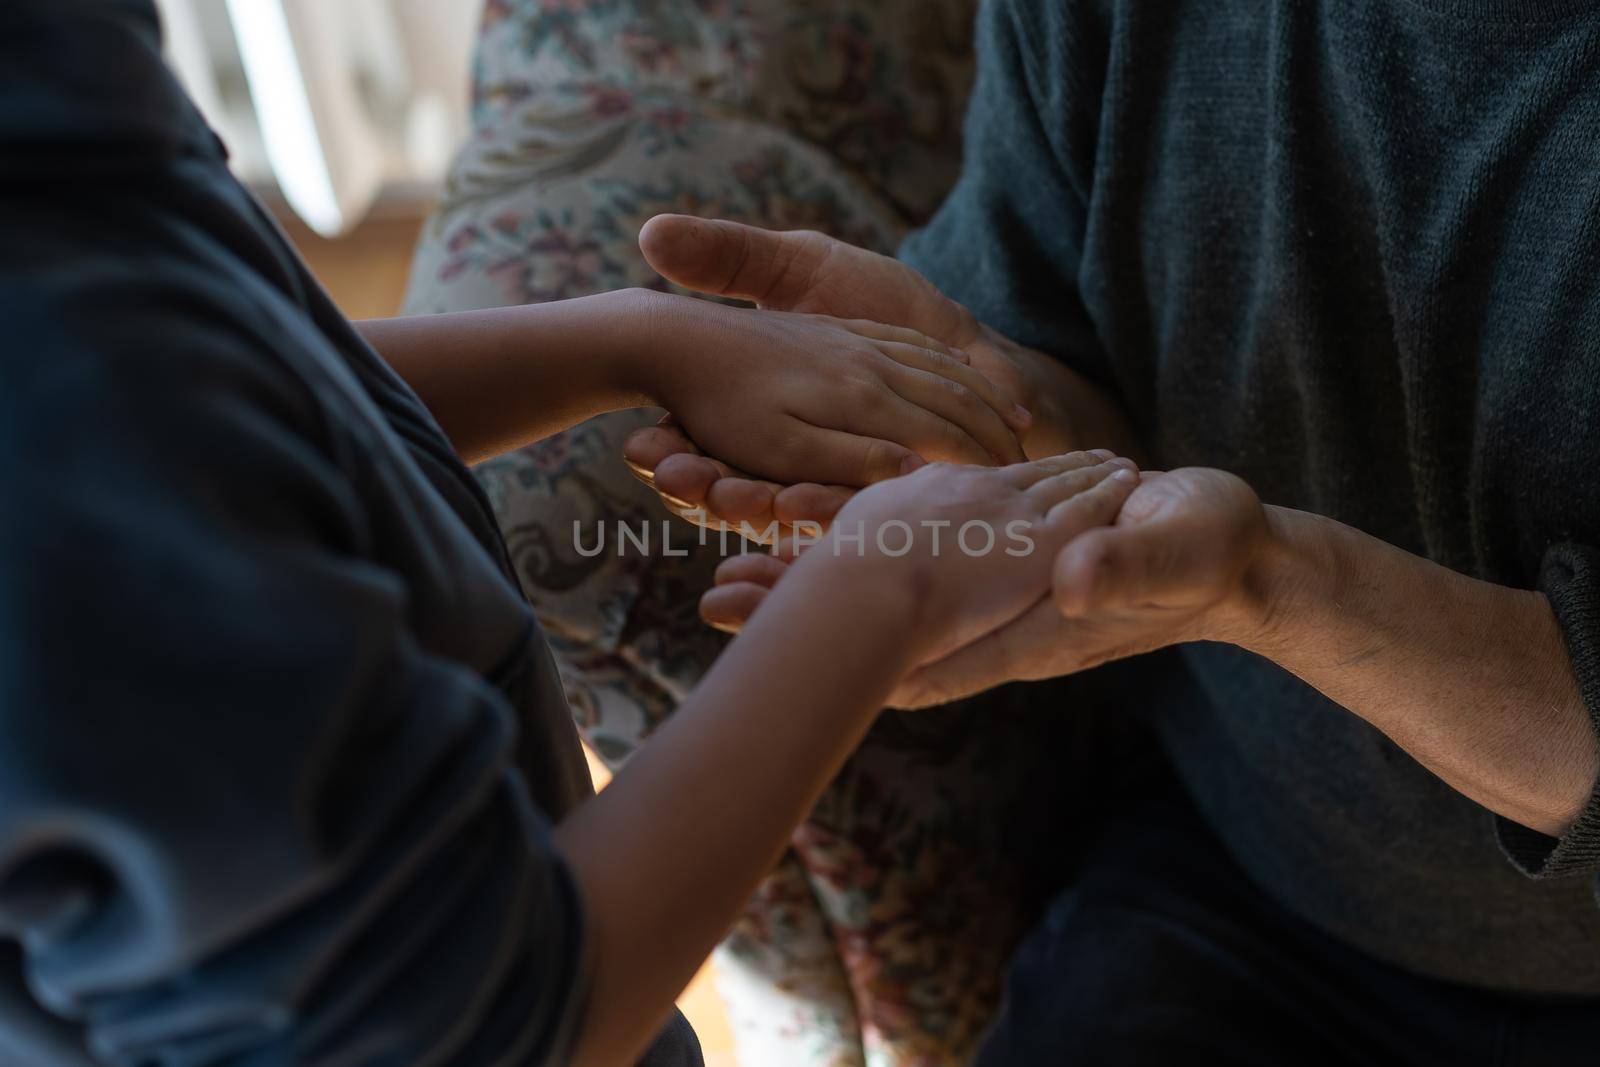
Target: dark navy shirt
column 280, row 741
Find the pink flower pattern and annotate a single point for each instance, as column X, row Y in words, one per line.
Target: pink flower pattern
column 881, row 939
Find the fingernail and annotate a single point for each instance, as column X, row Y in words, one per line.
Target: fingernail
column 1022, row 412
column 961, row 355
column 1103, row 453
column 911, row 463
column 1124, row 474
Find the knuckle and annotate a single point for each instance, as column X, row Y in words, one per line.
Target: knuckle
column 796, row 440
column 953, row 436
column 875, row 456
column 862, row 391
column 971, row 403
column 884, row 460
column 954, row 389
column 881, row 363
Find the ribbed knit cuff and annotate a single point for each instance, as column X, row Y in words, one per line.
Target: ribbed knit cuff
column 1510, row 12
column 1570, row 578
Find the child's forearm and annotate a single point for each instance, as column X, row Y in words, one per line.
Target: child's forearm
column 500, row 379
column 671, row 851
column 801, row 398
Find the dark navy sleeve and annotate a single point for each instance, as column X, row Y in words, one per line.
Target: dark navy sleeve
column 244, row 818
column 1008, row 242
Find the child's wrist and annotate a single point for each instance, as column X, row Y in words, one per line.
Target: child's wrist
column 876, row 594
column 653, row 328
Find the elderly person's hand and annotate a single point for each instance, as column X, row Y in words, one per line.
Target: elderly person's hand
column 1174, row 566
column 810, row 272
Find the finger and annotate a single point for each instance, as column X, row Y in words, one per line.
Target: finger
column 745, row 506
column 1097, row 505
column 685, row 480
column 810, row 502
column 903, row 335
column 1048, row 493
column 1112, row 568
column 645, row 448
column 1022, row 475
column 950, row 399
column 789, row 549
column 729, row 607
column 749, row 509
column 932, row 361
column 731, row 259
column 754, row 567
column 841, row 457
column 884, row 415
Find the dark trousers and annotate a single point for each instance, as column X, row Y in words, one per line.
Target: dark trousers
column 1164, row 953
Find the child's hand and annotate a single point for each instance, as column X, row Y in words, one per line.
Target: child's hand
column 959, row 587
column 808, row 398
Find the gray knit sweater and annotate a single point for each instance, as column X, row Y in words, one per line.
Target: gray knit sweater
column 1349, row 250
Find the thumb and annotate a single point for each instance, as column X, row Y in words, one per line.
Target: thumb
column 1120, row 567
column 729, row 607
column 731, row 259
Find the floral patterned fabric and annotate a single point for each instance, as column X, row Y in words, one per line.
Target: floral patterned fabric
column 881, row 938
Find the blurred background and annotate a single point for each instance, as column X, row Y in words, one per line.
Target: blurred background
column 342, row 114
column 343, row 117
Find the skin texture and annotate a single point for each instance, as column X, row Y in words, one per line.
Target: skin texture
column 1175, row 566
column 805, row 271
column 1472, row 679
column 669, row 853
column 792, row 396
column 667, row 856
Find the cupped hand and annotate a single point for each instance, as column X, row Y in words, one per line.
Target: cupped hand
column 1175, row 566
column 804, row 271
column 792, row 396
column 972, row 547
column 801, row 271
column 710, row 493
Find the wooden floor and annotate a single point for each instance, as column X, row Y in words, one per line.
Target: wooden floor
column 366, row 271
column 366, row 275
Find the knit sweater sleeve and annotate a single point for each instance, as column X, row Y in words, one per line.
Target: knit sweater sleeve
column 1008, row 243
column 1570, row 577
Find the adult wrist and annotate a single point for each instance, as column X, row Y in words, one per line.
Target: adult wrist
column 1261, row 614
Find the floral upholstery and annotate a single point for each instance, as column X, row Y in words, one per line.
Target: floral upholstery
column 881, row 938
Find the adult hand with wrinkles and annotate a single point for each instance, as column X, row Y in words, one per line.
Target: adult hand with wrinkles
column 1175, row 565
column 806, row 271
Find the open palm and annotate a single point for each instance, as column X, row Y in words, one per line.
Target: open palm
column 1171, row 568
